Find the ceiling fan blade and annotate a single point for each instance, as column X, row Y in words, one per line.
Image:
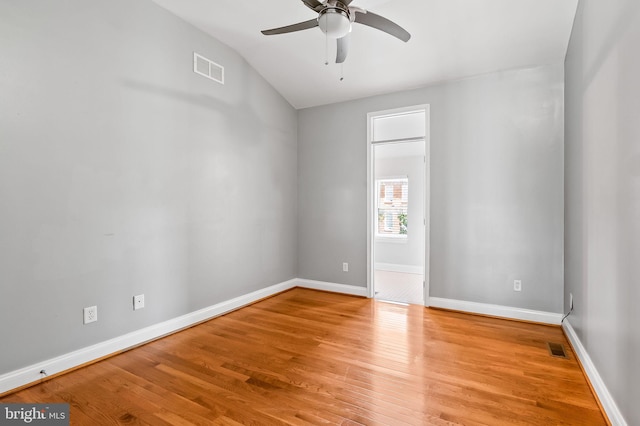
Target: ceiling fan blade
column 346, row 2
column 313, row 4
column 343, row 49
column 383, row 24
column 291, row 28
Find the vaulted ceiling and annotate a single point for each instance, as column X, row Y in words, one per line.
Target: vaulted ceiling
column 450, row 39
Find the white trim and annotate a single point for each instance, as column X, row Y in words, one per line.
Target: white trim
column 607, row 401
column 333, row 287
column 31, row 374
column 393, row 267
column 497, row 310
column 371, row 196
column 426, row 220
column 371, row 205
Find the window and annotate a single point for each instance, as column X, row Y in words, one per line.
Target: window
column 393, row 203
column 408, row 125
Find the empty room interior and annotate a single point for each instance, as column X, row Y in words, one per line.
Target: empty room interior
column 304, row 212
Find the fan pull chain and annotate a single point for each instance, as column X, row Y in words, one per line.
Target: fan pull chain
column 326, row 46
column 342, row 71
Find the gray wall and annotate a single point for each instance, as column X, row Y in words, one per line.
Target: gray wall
column 496, row 187
column 123, row 172
column 602, row 213
column 409, row 252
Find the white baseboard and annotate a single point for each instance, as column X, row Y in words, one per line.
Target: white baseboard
column 392, row 267
column 607, row 401
column 31, row 374
column 333, row 287
column 496, row 310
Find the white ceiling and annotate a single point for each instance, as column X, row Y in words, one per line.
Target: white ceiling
column 450, row 39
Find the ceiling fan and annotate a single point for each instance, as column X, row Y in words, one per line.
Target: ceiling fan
column 335, row 18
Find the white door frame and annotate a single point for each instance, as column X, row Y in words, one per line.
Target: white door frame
column 371, row 214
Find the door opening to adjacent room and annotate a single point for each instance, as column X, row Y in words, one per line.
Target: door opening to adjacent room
column 398, row 200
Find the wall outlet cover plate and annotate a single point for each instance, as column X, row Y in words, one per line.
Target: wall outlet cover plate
column 90, row 314
column 138, row 302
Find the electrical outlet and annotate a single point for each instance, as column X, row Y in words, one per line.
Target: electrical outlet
column 517, row 285
column 571, row 301
column 345, row 267
column 138, row 302
column 90, row 314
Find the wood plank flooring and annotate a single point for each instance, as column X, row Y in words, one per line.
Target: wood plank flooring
column 309, row 357
column 399, row 286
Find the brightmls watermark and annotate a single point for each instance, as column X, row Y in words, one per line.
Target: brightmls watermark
column 36, row 414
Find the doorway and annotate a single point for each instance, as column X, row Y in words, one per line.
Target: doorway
column 398, row 205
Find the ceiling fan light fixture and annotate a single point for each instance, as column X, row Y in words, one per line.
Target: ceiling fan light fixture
column 334, row 22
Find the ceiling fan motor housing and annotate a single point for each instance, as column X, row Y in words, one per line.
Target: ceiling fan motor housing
column 334, row 20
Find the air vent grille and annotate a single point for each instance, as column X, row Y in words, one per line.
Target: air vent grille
column 557, row 350
column 207, row 68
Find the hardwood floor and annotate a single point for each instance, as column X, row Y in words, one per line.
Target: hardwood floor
column 309, row 357
column 399, row 287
